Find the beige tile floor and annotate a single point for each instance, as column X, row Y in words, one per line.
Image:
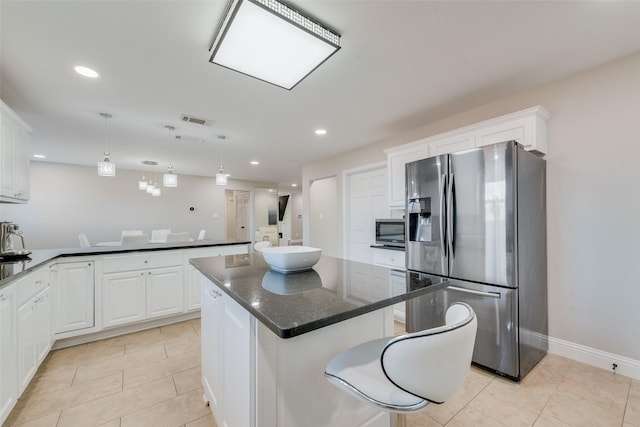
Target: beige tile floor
column 152, row 378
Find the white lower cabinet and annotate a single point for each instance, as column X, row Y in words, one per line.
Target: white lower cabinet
column 165, row 292
column 34, row 336
column 226, row 352
column 74, row 302
column 8, row 351
column 123, row 298
column 394, row 259
column 193, row 300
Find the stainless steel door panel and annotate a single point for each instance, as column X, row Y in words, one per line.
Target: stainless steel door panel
column 482, row 184
column 497, row 337
column 496, row 344
column 425, row 215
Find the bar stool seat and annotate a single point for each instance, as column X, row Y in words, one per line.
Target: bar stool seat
column 404, row 374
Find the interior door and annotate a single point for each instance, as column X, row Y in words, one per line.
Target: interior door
column 367, row 201
column 243, row 216
column 482, row 194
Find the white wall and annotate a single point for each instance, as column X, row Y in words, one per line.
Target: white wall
column 593, row 199
column 323, row 215
column 67, row 200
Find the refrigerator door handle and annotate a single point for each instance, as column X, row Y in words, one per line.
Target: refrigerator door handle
column 474, row 292
column 450, row 221
column 443, row 186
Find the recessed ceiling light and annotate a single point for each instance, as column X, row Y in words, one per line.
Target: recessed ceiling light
column 255, row 162
column 321, row 131
column 39, row 156
column 294, row 185
column 86, row 71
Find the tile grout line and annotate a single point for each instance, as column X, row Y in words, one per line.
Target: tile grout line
column 470, row 400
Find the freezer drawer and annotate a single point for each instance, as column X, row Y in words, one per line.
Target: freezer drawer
column 496, row 345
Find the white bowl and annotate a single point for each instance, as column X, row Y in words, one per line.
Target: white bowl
column 287, row 259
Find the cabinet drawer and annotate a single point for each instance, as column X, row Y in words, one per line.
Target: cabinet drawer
column 389, row 258
column 141, row 261
column 30, row 285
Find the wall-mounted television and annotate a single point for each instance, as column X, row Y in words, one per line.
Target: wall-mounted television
column 282, row 206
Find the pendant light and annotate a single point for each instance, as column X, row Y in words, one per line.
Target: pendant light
column 221, row 177
column 142, row 184
column 170, row 179
column 106, row 167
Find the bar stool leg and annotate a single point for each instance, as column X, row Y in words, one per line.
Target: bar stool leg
column 398, row 420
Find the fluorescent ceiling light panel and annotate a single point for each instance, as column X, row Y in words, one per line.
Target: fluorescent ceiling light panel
column 270, row 41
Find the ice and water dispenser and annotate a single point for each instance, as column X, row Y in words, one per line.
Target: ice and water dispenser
column 419, row 211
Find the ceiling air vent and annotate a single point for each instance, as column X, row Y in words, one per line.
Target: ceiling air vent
column 196, row 120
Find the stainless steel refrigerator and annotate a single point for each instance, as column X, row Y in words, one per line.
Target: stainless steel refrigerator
column 478, row 217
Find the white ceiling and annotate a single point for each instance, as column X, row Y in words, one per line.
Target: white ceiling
column 402, row 64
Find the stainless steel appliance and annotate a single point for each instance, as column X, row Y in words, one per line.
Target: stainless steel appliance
column 7, row 231
column 478, row 217
column 390, row 232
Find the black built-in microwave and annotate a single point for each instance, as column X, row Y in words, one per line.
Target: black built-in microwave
column 390, row 232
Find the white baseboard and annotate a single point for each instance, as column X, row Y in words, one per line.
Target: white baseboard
column 594, row 357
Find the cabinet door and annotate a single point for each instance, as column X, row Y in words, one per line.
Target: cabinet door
column 236, row 365
column 211, row 345
column 399, row 285
column 21, row 164
column 396, row 169
column 165, row 291
column 44, row 329
column 27, row 344
column 452, row 144
column 6, row 157
column 192, row 288
column 74, row 296
column 123, row 298
column 8, row 351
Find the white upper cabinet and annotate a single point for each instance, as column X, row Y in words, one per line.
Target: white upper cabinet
column 527, row 127
column 396, row 160
column 14, row 157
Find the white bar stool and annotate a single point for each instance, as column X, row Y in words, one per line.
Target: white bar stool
column 405, row 373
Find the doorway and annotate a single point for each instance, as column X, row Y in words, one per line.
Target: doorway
column 238, row 215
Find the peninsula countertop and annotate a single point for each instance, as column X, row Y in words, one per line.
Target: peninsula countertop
column 295, row 303
column 13, row 268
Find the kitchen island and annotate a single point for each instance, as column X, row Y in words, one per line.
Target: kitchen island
column 267, row 337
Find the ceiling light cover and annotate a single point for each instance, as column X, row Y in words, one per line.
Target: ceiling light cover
column 270, row 41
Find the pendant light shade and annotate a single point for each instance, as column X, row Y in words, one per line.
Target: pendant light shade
column 221, row 177
column 106, row 167
column 142, row 184
column 170, row 179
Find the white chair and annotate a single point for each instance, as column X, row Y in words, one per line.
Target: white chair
column 134, row 239
column 84, row 241
column 178, row 237
column 259, row 246
column 130, row 233
column 160, row 236
column 405, row 373
column 202, row 234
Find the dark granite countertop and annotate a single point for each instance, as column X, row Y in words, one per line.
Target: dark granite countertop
column 12, row 268
column 296, row 303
